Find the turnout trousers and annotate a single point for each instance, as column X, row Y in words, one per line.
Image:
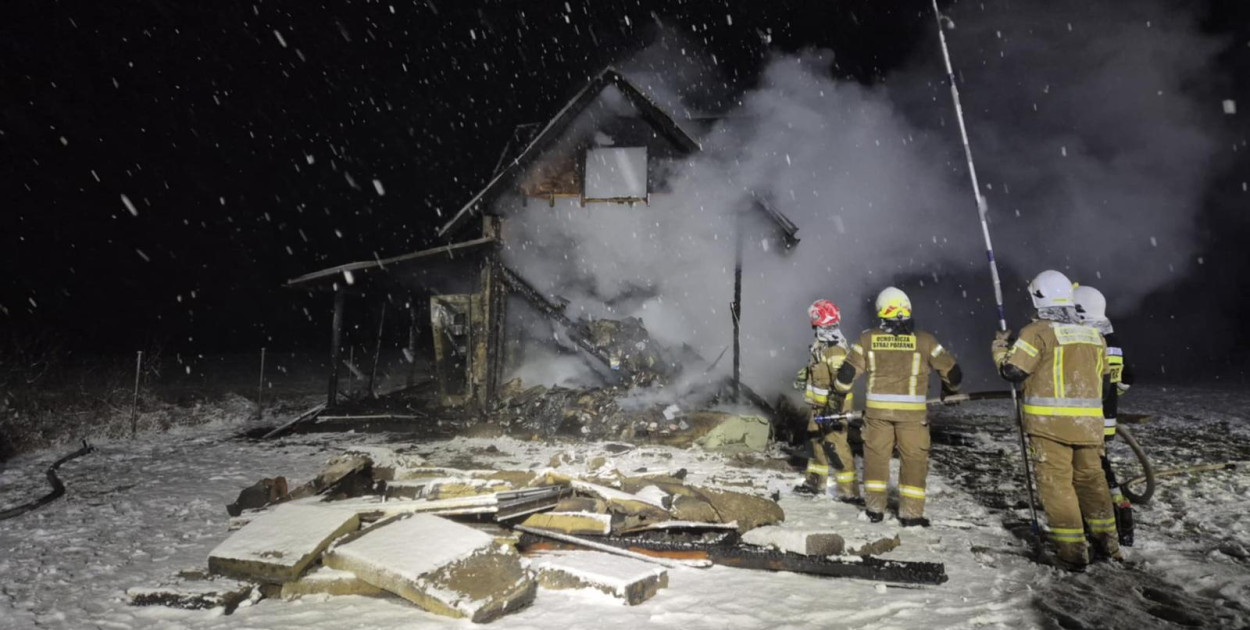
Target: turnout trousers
column 1074, row 494
column 831, row 455
column 911, row 438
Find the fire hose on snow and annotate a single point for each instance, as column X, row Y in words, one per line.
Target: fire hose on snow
column 1189, row 470
column 58, row 488
column 1148, row 471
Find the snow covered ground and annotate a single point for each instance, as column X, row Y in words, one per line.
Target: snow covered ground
column 137, row 512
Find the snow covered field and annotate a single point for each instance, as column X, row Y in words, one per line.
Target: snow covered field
column 137, row 512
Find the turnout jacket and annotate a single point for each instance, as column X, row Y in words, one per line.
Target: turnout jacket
column 826, row 359
column 898, row 368
column 1066, row 375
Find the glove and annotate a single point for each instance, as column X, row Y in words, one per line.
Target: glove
column 1002, row 338
column 998, row 348
column 1121, row 388
column 800, row 379
column 947, row 393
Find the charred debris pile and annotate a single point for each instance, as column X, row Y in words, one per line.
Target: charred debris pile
column 646, row 394
column 482, row 543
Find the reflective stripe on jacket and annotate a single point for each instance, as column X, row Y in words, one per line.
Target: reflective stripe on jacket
column 824, row 363
column 898, row 368
column 1063, row 394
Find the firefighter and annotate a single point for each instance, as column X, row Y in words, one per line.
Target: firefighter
column 898, row 360
column 831, row 454
column 1062, row 364
column 1091, row 310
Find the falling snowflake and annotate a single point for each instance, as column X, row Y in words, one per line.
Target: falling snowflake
column 130, row 206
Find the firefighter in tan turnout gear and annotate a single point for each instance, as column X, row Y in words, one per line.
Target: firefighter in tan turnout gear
column 1063, row 366
column 1091, row 310
column 898, row 360
column 831, row 454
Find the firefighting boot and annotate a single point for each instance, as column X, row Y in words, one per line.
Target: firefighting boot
column 1107, row 547
column 874, row 517
column 812, row 485
column 918, row 521
column 1071, row 556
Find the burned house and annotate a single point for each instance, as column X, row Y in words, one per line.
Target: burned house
column 467, row 309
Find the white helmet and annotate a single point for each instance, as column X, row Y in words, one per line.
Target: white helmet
column 892, row 303
column 1091, row 306
column 1050, row 289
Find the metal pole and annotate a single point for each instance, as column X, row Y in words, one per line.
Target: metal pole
column 134, row 402
column 260, row 390
column 989, row 253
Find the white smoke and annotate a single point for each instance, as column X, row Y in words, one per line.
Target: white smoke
column 874, row 179
column 835, row 158
column 1093, row 142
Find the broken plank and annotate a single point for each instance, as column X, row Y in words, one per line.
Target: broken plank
column 865, row 568
column 372, row 507
column 682, row 525
column 300, row 418
column 378, row 416
column 589, row 544
column 581, row 523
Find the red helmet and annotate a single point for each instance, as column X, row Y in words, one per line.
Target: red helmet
column 824, row 313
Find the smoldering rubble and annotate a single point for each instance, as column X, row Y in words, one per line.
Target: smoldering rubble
column 479, row 543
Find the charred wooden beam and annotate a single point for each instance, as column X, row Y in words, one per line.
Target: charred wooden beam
column 450, row 251
column 336, row 345
column 377, row 351
column 556, row 313
column 727, row 551
column 735, row 308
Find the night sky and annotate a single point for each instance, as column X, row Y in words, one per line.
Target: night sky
column 248, row 136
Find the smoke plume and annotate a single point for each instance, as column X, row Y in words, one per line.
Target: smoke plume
column 1092, row 156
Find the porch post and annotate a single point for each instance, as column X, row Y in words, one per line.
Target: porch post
column 336, row 339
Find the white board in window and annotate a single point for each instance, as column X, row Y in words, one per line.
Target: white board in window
column 616, row 173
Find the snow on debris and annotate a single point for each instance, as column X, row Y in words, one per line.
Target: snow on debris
column 286, row 538
column 616, row 573
column 415, row 546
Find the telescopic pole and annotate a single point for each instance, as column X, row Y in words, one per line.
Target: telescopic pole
column 989, row 253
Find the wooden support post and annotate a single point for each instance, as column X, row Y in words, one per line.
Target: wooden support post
column 260, row 390
column 736, row 308
column 134, row 402
column 336, row 342
column 413, row 331
column 377, row 351
column 492, row 302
